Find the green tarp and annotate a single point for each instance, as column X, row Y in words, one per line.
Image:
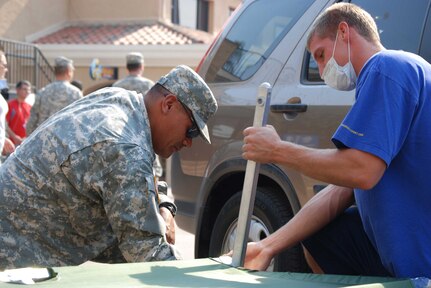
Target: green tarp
column 199, row 273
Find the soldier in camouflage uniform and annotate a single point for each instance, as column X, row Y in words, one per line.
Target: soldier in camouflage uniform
column 55, row 96
column 82, row 185
column 136, row 82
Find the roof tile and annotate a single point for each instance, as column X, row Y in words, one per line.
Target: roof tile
column 155, row 33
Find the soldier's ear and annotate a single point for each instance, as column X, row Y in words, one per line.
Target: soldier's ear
column 168, row 102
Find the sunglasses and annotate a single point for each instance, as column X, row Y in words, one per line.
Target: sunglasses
column 193, row 131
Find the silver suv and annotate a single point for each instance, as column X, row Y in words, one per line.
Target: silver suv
column 265, row 41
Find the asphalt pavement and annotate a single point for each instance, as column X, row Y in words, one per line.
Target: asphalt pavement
column 185, row 242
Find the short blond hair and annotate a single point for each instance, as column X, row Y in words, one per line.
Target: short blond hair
column 326, row 24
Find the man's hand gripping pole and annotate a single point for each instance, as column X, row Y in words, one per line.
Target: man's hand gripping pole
column 250, row 181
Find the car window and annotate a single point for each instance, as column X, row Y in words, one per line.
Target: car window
column 252, row 38
column 400, row 26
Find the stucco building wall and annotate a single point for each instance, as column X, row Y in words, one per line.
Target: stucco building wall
column 27, row 20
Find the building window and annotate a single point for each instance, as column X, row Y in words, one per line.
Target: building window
column 190, row 13
column 175, row 12
column 202, row 19
column 186, row 13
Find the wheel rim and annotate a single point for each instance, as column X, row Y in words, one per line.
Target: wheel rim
column 258, row 231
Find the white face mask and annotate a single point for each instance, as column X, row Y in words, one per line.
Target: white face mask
column 339, row 77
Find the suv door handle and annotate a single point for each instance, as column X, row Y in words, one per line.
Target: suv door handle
column 286, row 108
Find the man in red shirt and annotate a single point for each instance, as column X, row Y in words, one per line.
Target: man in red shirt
column 19, row 113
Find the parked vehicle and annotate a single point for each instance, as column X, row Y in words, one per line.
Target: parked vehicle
column 265, row 41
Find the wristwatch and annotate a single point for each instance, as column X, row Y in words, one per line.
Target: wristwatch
column 170, row 206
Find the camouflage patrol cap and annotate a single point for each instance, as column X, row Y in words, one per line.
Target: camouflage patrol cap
column 63, row 62
column 192, row 91
column 134, row 58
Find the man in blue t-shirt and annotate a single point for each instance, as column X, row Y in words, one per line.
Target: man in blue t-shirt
column 381, row 162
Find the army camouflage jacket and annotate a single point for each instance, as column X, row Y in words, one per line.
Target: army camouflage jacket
column 135, row 83
column 83, row 184
column 141, row 85
column 52, row 98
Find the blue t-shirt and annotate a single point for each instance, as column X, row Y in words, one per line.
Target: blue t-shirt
column 391, row 119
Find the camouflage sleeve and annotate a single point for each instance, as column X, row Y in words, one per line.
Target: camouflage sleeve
column 157, row 167
column 122, row 176
column 164, row 198
column 32, row 122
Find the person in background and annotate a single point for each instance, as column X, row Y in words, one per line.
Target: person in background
column 4, row 87
column 134, row 81
column 19, row 113
column 6, row 145
column 82, row 186
column 380, row 164
column 55, row 96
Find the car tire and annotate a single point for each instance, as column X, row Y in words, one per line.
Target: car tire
column 270, row 213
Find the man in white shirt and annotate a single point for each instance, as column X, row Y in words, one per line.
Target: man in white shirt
column 6, row 146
